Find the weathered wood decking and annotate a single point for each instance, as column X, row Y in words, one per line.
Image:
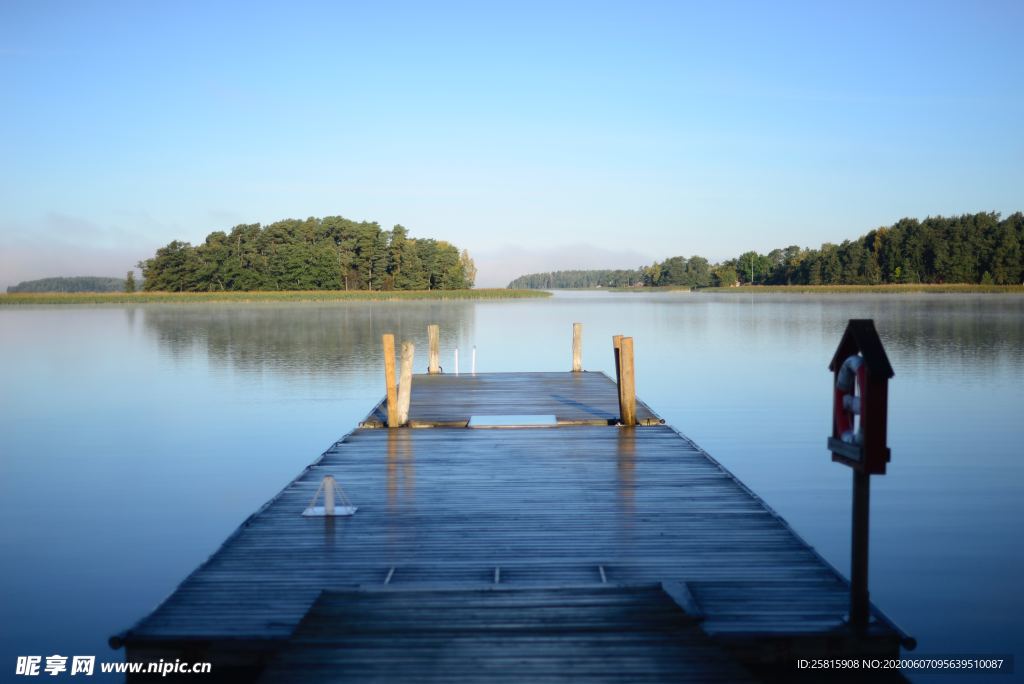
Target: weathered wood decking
column 457, row 508
column 596, row 633
column 573, row 398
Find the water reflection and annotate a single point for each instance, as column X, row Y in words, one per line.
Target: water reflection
column 626, row 472
column 401, row 477
column 99, row 397
column 983, row 332
column 321, row 339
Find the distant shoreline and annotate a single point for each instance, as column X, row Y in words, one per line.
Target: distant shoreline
column 56, row 298
column 952, row 288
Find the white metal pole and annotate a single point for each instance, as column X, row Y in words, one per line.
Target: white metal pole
column 328, row 495
column 456, row 360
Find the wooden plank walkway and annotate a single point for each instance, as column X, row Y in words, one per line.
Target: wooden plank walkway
column 573, row 398
column 597, row 633
column 571, row 505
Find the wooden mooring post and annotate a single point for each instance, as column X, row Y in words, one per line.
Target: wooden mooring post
column 405, row 382
column 577, row 347
column 627, row 382
column 434, row 349
column 616, row 348
column 388, row 341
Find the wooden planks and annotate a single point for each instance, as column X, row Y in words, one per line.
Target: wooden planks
column 526, row 508
column 583, row 398
column 600, row 633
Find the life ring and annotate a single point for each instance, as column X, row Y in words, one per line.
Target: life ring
column 847, row 403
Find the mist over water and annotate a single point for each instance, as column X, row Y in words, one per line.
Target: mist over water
column 134, row 440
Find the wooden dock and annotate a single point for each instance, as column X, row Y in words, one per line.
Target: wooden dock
column 573, row 398
column 597, row 633
column 536, row 549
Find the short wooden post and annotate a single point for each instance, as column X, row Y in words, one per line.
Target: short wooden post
column 577, row 347
column 328, row 486
column 627, row 382
column 389, row 379
column 616, row 348
column 405, row 382
column 434, row 349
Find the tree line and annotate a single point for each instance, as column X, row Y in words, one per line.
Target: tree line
column 70, row 284
column 579, row 279
column 971, row 248
column 330, row 253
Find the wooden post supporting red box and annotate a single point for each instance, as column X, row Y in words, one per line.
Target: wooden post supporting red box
column 860, row 413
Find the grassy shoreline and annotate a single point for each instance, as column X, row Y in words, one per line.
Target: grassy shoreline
column 33, row 298
column 953, row 288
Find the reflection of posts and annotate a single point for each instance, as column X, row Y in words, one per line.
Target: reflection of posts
column 392, row 468
column 389, row 379
column 626, row 462
column 434, row 349
column 405, row 383
column 577, row 347
column 401, row 484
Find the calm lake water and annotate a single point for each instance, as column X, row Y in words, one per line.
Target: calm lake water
column 133, row 440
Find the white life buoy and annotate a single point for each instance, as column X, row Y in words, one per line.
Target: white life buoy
column 848, row 399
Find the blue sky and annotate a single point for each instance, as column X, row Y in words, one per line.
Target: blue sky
column 536, row 135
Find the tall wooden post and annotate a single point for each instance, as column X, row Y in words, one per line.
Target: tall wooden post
column 860, row 603
column 577, row 347
column 405, row 382
column 434, row 349
column 860, row 414
column 627, row 382
column 616, row 349
column 389, row 379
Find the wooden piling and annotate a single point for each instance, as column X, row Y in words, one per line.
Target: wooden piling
column 627, row 382
column 389, row 378
column 577, row 347
column 434, row 349
column 616, row 347
column 405, row 382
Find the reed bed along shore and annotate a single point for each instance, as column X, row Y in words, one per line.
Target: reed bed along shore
column 873, row 289
column 966, row 288
column 33, row 298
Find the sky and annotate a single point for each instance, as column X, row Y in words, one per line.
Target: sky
column 535, row 135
